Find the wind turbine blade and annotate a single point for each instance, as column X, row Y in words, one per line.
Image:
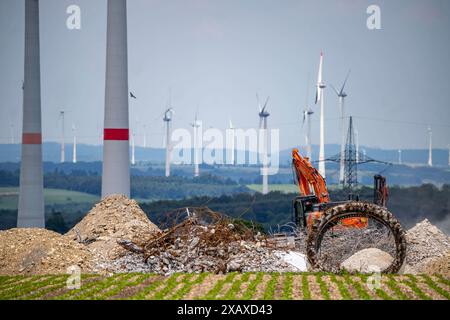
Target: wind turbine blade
column 319, row 77
column 304, row 117
column 317, row 95
column 258, row 102
column 345, row 81
column 307, row 90
column 335, row 90
column 265, row 104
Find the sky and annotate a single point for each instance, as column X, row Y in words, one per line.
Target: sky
column 214, row 55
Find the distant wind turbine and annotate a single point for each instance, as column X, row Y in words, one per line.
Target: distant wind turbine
column 320, row 98
column 63, row 144
column 263, row 115
column 168, row 119
column 307, row 114
column 74, row 153
column 430, row 147
column 342, row 95
column 195, row 125
column 232, row 146
column 399, row 156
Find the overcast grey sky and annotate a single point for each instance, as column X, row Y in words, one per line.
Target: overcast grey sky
column 215, row 55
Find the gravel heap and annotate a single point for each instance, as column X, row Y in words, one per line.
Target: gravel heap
column 425, row 244
column 440, row 265
column 115, row 217
column 40, row 251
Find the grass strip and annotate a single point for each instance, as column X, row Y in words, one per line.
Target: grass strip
column 443, row 280
column 323, row 287
column 231, row 293
column 435, row 287
column 212, row 294
column 142, row 295
column 124, row 283
column 363, row 294
column 20, row 282
column 251, row 289
column 269, row 293
column 85, row 287
column 378, row 291
column 288, row 286
column 412, row 283
column 171, row 283
column 305, row 287
column 183, row 291
column 102, row 286
column 46, row 290
column 392, row 284
column 29, row 287
column 345, row 294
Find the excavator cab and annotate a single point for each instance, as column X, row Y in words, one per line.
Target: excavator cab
column 303, row 207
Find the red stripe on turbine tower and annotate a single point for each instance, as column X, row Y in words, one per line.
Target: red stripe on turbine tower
column 116, row 134
column 31, row 138
column 31, row 194
column 116, row 148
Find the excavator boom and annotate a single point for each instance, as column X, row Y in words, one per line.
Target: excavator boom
column 309, row 180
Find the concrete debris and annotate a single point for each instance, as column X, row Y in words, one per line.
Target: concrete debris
column 192, row 246
column 40, row 251
column 114, row 218
column 426, row 244
column 296, row 259
column 367, row 261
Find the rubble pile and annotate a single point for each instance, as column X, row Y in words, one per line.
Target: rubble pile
column 193, row 246
column 40, row 251
column 115, row 217
column 426, row 244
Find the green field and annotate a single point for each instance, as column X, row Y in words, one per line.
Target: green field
column 285, row 188
column 242, row 286
column 9, row 197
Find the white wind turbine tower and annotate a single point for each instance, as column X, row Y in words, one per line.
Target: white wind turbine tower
column 399, row 156
column 74, row 153
column 320, row 97
column 263, row 115
column 430, row 147
column 168, row 119
column 63, row 144
column 342, row 95
column 145, row 136
column 195, row 127
column 133, row 146
column 232, row 146
column 30, row 213
column 307, row 114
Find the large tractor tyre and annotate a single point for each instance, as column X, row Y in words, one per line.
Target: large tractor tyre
column 338, row 213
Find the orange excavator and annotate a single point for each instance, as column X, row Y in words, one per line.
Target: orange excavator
column 314, row 212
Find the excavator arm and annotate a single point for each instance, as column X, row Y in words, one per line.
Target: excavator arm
column 309, row 180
